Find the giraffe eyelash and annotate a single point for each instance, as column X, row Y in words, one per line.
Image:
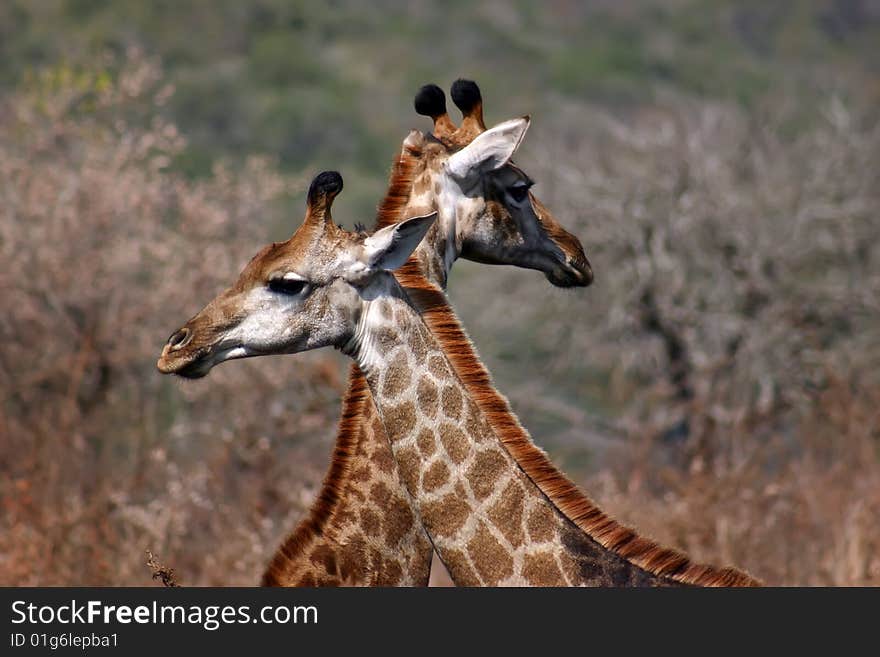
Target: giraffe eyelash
column 289, row 286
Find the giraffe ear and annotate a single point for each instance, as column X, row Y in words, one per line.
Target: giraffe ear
column 389, row 247
column 489, row 150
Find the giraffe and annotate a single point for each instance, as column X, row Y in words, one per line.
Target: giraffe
column 363, row 505
column 475, row 482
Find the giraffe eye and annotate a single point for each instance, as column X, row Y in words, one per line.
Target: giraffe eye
column 519, row 192
column 289, row 286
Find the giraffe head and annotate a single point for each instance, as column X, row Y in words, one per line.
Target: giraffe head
column 302, row 294
column 486, row 209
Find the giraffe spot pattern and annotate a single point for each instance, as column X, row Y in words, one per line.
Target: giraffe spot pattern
column 586, row 557
column 457, row 562
column 435, row 476
column 489, row 557
column 354, row 493
column 383, row 459
column 408, row 464
column 454, row 442
column 426, row 394
column 452, row 402
column 361, row 474
column 445, row 516
column 541, row 525
column 419, row 562
column 399, row 519
column 351, row 559
column 472, row 424
column 418, row 346
column 438, row 367
column 487, row 467
column 380, row 493
column 345, row 514
column 390, row 573
column 507, row 514
column 400, row 420
column 426, row 443
column 421, row 186
column 540, row 569
column 370, row 521
column 397, row 377
column 595, row 566
column 520, row 515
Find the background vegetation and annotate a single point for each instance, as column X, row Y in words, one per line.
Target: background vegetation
column 717, row 386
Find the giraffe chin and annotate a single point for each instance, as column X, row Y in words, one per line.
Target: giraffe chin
column 202, row 364
column 569, row 277
column 193, row 369
column 196, row 370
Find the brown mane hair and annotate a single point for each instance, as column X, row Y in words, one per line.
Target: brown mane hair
column 400, row 184
column 577, row 507
column 331, row 491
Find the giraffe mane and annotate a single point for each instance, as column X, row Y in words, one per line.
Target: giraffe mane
column 574, row 504
column 326, row 503
column 400, row 184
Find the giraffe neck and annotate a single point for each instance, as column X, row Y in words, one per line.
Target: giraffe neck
column 490, row 524
column 362, row 529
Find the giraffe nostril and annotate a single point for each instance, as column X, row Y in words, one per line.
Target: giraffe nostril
column 180, row 339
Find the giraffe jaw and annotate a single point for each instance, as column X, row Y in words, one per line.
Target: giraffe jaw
column 199, row 365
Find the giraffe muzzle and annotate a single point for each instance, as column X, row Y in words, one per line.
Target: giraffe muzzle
column 572, row 272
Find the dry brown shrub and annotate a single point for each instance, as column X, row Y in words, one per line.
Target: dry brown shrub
column 105, row 252
column 800, row 514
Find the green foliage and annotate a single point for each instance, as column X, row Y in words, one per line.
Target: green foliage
column 310, row 82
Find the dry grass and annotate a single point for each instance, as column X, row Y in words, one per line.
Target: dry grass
column 793, row 514
column 721, row 374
